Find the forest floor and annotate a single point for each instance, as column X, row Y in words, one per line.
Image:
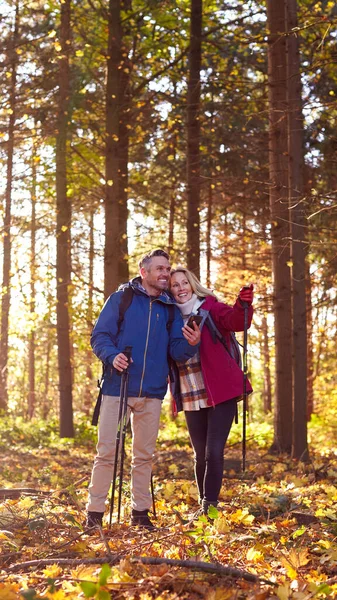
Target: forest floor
column 274, row 536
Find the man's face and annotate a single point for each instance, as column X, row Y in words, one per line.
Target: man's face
column 156, row 277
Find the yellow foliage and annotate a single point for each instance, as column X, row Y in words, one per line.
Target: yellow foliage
column 254, row 555
column 221, row 525
column 283, row 592
column 297, row 557
column 52, row 571
column 242, row 516
column 9, row 591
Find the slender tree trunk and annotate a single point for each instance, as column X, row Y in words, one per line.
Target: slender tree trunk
column 112, row 250
column 172, row 209
column 31, row 351
column 89, row 375
column 63, row 225
column 297, row 228
column 278, row 169
column 6, row 265
column 266, row 366
column 310, row 347
column 46, row 400
column 193, row 139
column 123, row 151
column 209, row 233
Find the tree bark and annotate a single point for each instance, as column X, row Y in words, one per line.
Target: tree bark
column 266, row 366
column 63, row 225
column 112, row 249
column 193, row 140
column 32, row 308
column 278, row 171
column 88, row 394
column 310, row 348
column 297, row 228
column 7, row 243
column 209, row 233
column 123, row 150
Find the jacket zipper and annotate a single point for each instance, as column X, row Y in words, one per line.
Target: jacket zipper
column 146, row 345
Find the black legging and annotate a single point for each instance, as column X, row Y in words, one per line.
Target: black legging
column 209, row 429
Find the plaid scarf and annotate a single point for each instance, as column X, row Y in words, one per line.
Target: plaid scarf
column 192, row 387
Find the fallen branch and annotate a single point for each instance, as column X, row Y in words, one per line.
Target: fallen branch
column 13, row 493
column 214, row 568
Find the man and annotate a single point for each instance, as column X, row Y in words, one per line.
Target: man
column 145, row 328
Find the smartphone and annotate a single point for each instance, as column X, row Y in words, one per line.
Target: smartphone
column 196, row 318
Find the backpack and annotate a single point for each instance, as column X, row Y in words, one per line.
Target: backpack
column 234, row 347
column 124, row 304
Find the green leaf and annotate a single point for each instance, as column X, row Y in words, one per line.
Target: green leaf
column 298, row 532
column 104, row 574
column 213, row 512
column 88, row 588
column 324, row 588
column 103, row 595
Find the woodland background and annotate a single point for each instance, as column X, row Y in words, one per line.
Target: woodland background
column 207, row 128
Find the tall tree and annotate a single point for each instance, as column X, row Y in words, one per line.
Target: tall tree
column 6, row 265
column 193, row 139
column 112, row 249
column 32, row 340
column 278, row 170
column 297, row 228
column 63, row 225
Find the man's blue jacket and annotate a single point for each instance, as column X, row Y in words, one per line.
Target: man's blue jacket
column 144, row 327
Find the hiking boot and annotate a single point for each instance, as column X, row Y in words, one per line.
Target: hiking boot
column 94, row 518
column 206, row 504
column 140, row 518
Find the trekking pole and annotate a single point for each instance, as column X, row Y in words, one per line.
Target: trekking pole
column 120, row 436
column 153, row 498
column 245, row 371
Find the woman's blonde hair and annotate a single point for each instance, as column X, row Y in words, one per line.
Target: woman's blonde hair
column 194, row 282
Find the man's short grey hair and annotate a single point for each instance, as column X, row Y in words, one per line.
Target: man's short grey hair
column 146, row 259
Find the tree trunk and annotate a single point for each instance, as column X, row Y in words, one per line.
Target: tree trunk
column 278, row 170
column 310, row 348
column 112, row 249
column 123, row 152
column 31, row 350
column 63, row 224
column 193, row 140
column 208, row 233
column 297, row 228
column 6, row 265
column 89, row 388
column 266, row 366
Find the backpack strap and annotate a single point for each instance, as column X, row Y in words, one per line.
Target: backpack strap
column 234, row 349
column 124, row 304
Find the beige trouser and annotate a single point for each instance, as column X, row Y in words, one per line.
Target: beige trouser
column 145, row 416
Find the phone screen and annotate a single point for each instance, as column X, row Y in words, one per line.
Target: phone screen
column 196, row 318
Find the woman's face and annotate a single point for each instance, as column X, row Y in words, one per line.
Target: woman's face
column 181, row 288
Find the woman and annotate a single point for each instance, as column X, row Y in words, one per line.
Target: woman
column 208, row 386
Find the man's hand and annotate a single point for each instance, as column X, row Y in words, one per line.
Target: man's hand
column 120, row 362
column 246, row 294
column 192, row 335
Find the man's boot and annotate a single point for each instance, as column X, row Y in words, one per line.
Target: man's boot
column 140, row 518
column 94, row 518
